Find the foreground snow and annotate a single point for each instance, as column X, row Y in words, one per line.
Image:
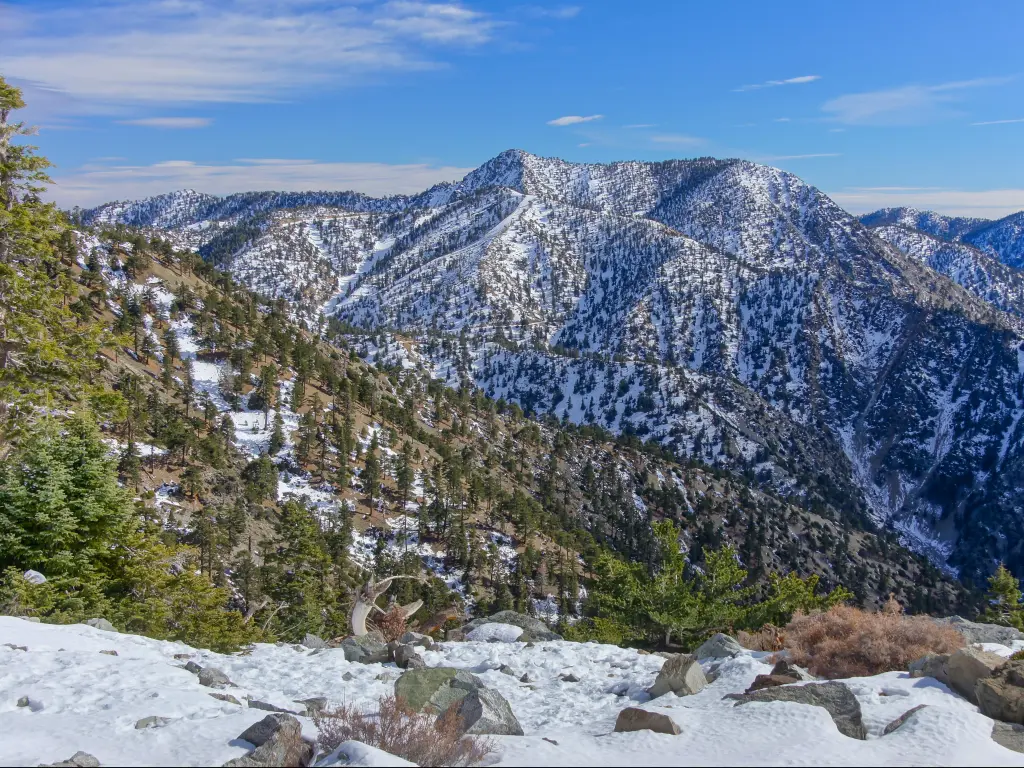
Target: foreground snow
column 81, row 699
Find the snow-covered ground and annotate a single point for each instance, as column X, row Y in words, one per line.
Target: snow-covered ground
column 82, row 699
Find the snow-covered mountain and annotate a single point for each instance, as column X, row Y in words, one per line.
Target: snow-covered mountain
column 722, row 308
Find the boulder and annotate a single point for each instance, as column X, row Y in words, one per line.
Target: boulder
column 78, row 760
column 533, row 629
column 103, row 624
column 284, row 748
column 526, row 678
column 271, row 727
column 314, row 704
column 151, row 722
column 1001, row 694
column 1009, row 735
column 192, row 667
column 406, row 656
column 314, row 641
column 681, row 675
column 267, row 707
column 366, row 649
column 492, row 632
column 899, row 721
column 718, row 646
column 636, row 719
column 783, row 667
column 24, row 702
column 455, row 636
column 33, row 577
column 212, row 677
column 435, row 689
column 770, row 681
column 485, row 711
column 835, row 698
column 967, row 666
column 974, row 632
column 570, row 678
column 415, row 638
column 225, row 697
column 109, row 653
column 930, row 665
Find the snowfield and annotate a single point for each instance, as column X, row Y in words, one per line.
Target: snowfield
column 82, row 699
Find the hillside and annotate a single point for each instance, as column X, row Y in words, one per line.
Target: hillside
column 724, row 310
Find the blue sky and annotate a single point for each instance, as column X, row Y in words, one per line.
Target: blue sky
column 875, row 103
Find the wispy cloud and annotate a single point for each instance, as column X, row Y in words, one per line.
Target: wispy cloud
column 540, row 12
column 641, row 125
column 782, row 120
column 989, row 204
column 775, row 83
column 677, row 139
column 906, row 105
column 100, row 182
column 169, row 122
column 574, row 119
column 1000, row 122
column 188, row 51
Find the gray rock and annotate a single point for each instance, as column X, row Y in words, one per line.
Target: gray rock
column 930, row 665
column 314, row 641
column 770, row 681
column 1009, row 735
column 636, row 719
column 78, row 760
column 436, row 688
column 404, row 654
column 505, row 669
column 570, row 678
column 455, row 636
column 783, row 667
column 526, row 678
column 967, row 666
column 212, row 677
column 271, row 726
column 151, row 722
column 415, row 638
column 14, row 647
column 1001, row 694
column 681, row 675
column 718, row 646
column 484, row 711
column 192, row 667
column 33, row 577
column 835, row 698
column 314, row 704
column 348, row 676
column 109, row 653
column 225, row 697
column 103, row 624
column 24, row 702
column 899, row 721
column 415, row 662
column 974, row 632
column 367, row 649
column 533, row 629
column 267, row 707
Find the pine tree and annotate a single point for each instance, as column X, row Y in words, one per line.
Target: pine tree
column 1004, row 599
column 371, row 472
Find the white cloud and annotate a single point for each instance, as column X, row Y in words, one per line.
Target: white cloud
column 573, row 119
column 989, row 204
column 1000, row 122
column 99, row 183
column 640, row 125
column 188, row 51
column 169, row 122
column 775, row 83
column 540, row 12
column 677, row 139
column 906, row 105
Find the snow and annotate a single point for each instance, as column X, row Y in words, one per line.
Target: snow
column 495, row 632
column 81, row 699
column 353, row 753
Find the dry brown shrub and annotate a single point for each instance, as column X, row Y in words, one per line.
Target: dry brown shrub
column 392, row 624
column 850, row 642
column 767, row 638
column 424, row 739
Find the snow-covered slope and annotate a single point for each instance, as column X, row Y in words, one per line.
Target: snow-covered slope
column 80, row 698
column 929, row 222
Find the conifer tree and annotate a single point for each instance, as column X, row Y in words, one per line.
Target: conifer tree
column 371, row 472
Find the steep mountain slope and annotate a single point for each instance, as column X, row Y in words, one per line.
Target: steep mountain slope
column 724, row 309
column 929, row 222
column 1003, row 239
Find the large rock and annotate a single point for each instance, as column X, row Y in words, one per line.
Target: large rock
column 771, row 681
column 435, row 689
column 533, row 629
column 271, row 726
column 636, row 719
column 902, row 719
column 967, row 666
column 78, row 760
column 153, row 721
column 406, row 656
column 415, row 638
column 1001, row 694
column 1009, row 735
column 278, row 741
column 718, row 646
column 930, row 665
column 103, row 624
column 366, row 649
column 681, row 675
column 783, row 667
column 835, row 698
column 975, row 632
column 492, row 632
column 314, row 641
column 212, row 677
column 484, row 711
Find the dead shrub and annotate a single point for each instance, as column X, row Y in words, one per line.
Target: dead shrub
column 392, row 624
column 424, row 739
column 850, row 642
column 767, row 638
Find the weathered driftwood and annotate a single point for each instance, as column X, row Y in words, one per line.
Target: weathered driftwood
column 366, row 602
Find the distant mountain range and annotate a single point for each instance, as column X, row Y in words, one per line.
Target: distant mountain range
column 724, row 309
